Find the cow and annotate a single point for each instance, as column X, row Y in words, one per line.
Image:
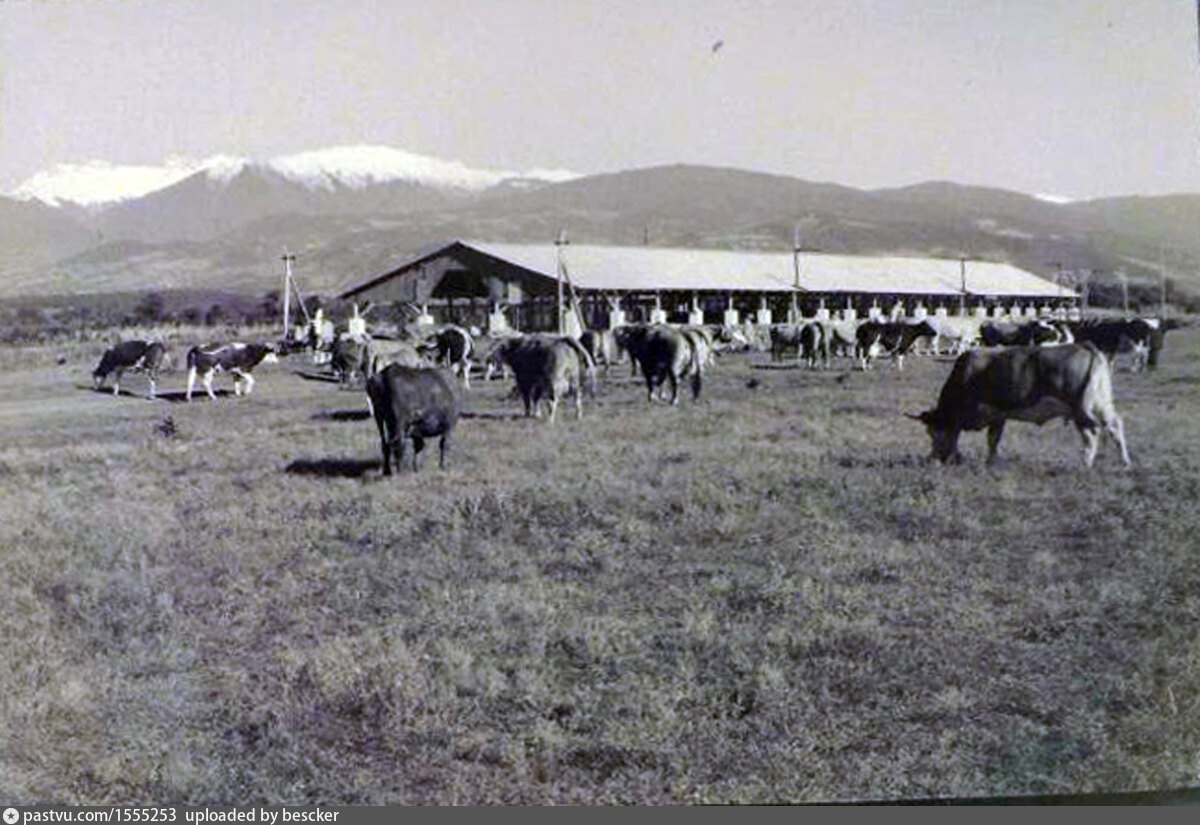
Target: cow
column 841, row 336
column 702, row 339
column 348, row 358
column 988, row 387
column 1031, row 333
column 955, row 333
column 548, row 368
column 147, row 356
column 382, row 351
column 875, row 338
column 236, row 358
column 664, row 353
column 412, row 404
column 451, row 347
column 601, row 345
column 628, row 337
column 1143, row 337
column 784, row 337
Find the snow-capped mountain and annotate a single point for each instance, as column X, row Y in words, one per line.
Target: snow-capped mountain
column 98, row 185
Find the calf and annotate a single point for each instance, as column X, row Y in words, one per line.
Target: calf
column 237, row 358
column 412, row 403
column 130, row 355
column 986, row 388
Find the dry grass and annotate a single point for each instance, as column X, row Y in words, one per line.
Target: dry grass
column 768, row 596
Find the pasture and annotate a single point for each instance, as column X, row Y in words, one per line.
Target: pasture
column 768, row 596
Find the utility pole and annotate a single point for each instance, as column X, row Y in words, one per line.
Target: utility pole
column 1124, row 279
column 962, row 286
column 287, row 293
column 559, row 243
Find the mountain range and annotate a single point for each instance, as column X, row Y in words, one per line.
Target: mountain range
column 350, row 212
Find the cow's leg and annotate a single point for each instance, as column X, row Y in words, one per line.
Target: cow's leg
column 399, row 444
column 443, row 446
column 249, row 379
column 1116, row 428
column 153, row 385
column 696, row 380
column 465, row 368
column 117, row 380
column 418, row 446
column 191, row 382
column 1091, row 441
column 553, row 404
column 208, row 381
column 994, row 434
column 674, row 389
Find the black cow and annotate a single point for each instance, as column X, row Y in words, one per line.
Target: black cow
column 451, row 347
column 412, row 403
column 236, row 358
column 664, row 353
column 1143, row 337
column 548, row 368
column 1031, row 333
column 130, row 355
column 987, row 387
column 893, row 338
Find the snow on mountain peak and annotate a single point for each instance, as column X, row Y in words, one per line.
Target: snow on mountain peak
column 97, row 184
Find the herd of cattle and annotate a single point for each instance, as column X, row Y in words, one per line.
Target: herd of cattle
column 1033, row 371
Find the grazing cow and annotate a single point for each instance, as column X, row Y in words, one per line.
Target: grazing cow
column 237, row 358
column 1038, row 332
column 875, row 338
column 1142, row 337
column 412, row 403
column 665, row 353
column 451, row 347
column 130, row 355
column 986, row 388
column 601, row 345
column 548, row 368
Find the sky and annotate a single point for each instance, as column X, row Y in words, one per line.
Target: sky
column 1073, row 98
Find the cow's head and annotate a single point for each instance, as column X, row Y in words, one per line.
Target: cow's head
column 943, row 438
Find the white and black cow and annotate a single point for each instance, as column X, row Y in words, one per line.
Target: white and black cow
column 893, row 338
column 236, row 358
column 135, row 355
column 412, row 404
column 1143, row 338
column 988, row 387
column 451, row 347
column 1038, row 332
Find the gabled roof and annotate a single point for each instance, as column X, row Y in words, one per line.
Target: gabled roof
column 650, row 269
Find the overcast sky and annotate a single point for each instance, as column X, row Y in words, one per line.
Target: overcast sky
column 1069, row 97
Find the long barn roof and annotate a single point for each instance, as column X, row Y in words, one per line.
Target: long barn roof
column 648, row 269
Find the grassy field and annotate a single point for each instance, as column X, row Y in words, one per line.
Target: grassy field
column 768, row 596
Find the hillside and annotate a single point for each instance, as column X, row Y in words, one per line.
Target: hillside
column 229, row 234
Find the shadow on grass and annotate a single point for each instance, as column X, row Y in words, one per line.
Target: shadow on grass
column 494, row 415
column 316, row 376
column 342, row 415
column 333, row 467
column 170, row 396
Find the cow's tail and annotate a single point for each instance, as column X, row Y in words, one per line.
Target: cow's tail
column 587, row 366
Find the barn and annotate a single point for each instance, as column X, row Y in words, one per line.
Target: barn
column 522, row 286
